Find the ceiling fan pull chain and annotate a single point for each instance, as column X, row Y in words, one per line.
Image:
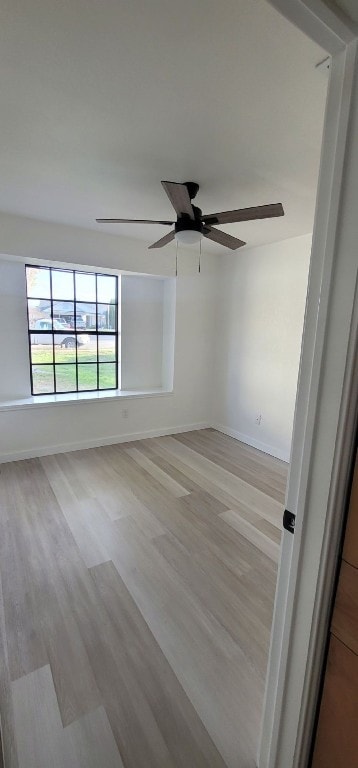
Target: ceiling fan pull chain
column 176, row 260
column 199, row 257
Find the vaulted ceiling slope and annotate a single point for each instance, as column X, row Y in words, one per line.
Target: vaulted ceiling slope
column 99, row 101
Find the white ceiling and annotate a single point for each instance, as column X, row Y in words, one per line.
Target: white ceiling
column 99, row 101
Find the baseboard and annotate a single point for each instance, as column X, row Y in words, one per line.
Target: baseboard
column 270, row 449
column 33, row 453
column 48, row 450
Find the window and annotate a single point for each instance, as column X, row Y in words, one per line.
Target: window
column 73, row 330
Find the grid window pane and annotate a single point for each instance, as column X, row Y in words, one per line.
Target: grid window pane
column 107, row 348
column 65, row 340
column 38, row 282
column 87, row 376
column 63, row 315
column 37, row 314
column 68, row 351
column 107, row 375
column 85, row 316
column 85, row 286
column 106, row 289
column 41, row 353
column 65, row 348
column 107, row 317
column 43, row 339
column 43, row 379
column 65, row 378
column 87, row 353
column 62, row 284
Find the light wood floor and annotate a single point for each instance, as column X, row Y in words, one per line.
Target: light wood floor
column 136, row 596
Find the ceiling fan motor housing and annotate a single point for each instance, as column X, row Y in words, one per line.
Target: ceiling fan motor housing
column 186, row 223
column 193, row 188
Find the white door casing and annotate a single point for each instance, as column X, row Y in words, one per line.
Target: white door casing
column 325, row 413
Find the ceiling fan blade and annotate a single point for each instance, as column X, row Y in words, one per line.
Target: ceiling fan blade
column 223, row 238
column 133, row 221
column 179, row 197
column 164, row 240
column 245, row 214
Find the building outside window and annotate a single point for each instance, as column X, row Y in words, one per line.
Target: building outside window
column 73, row 330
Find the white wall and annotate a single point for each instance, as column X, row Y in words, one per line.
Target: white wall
column 142, row 332
column 169, row 304
column 14, row 348
column 262, row 294
column 38, row 429
column 32, row 239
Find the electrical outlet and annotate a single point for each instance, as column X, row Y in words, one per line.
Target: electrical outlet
column 125, row 413
column 259, row 419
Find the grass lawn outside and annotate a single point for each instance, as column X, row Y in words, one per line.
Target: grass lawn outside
column 43, row 370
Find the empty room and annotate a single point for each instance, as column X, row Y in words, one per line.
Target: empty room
column 159, row 174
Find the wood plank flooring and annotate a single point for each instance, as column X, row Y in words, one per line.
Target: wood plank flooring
column 136, row 595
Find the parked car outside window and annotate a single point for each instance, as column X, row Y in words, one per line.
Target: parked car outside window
column 64, row 340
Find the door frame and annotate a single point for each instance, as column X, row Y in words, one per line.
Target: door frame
column 325, row 414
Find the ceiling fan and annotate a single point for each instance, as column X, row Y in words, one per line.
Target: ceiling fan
column 191, row 225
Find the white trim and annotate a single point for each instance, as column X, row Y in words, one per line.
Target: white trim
column 332, row 30
column 49, row 450
column 32, row 453
column 80, row 398
column 341, row 465
column 248, row 440
column 320, row 455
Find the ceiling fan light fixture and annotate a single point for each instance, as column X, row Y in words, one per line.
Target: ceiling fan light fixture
column 188, row 236
column 188, row 231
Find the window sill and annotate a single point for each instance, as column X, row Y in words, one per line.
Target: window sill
column 73, row 398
